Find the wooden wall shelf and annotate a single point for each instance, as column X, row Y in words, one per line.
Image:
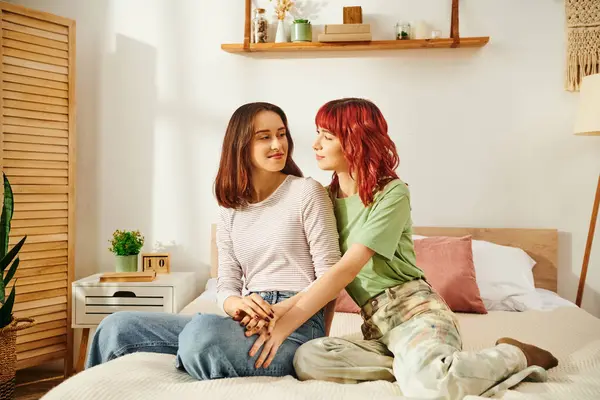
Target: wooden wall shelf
column 454, row 41
column 348, row 46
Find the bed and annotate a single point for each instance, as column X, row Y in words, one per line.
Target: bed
column 571, row 333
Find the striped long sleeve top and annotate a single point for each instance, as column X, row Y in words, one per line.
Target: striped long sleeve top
column 283, row 243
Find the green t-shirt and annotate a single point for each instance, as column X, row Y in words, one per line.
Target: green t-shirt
column 385, row 226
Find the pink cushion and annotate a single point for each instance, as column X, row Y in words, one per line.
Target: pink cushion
column 449, row 269
column 345, row 303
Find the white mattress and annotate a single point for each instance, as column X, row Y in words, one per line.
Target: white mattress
column 570, row 333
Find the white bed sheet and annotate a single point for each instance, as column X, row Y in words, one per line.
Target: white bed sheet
column 570, row 333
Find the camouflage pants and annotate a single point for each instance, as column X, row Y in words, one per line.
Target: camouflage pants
column 412, row 337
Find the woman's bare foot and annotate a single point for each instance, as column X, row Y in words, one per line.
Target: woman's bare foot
column 533, row 354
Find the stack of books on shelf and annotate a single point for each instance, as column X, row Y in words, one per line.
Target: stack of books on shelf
column 346, row 33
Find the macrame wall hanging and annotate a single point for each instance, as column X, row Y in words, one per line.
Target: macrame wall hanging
column 583, row 41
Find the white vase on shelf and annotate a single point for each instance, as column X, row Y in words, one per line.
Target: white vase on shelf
column 280, row 36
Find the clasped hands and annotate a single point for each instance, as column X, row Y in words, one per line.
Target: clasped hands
column 258, row 317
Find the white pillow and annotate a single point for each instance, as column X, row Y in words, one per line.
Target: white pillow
column 501, row 271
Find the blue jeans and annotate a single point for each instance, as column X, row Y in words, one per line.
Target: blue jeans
column 207, row 346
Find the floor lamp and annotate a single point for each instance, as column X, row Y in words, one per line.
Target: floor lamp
column 588, row 124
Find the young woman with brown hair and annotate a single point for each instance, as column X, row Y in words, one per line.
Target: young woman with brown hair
column 276, row 234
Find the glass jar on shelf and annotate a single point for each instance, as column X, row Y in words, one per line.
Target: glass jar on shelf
column 260, row 27
column 402, row 31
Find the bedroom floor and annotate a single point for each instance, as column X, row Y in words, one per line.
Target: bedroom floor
column 29, row 386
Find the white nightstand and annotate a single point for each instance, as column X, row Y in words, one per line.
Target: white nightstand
column 93, row 301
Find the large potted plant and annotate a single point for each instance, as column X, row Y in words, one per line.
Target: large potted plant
column 126, row 246
column 9, row 325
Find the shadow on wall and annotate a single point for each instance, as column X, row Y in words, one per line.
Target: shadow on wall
column 126, row 150
column 88, row 84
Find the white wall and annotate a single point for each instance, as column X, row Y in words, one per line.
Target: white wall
column 484, row 135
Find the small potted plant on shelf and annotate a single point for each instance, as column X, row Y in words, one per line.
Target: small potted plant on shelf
column 126, row 245
column 301, row 31
column 9, row 325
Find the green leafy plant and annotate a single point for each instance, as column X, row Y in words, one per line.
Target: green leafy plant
column 6, row 257
column 126, row 243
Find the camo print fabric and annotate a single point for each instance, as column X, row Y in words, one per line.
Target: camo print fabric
column 412, row 337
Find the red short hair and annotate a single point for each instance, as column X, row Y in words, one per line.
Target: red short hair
column 233, row 185
column 363, row 133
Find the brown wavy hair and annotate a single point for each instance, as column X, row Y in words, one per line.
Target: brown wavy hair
column 233, row 185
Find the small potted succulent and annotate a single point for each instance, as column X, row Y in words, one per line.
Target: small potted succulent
column 126, row 246
column 301, row 31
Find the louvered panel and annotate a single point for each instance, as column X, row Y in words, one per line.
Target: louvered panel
column 35, row 98
column 39, row 304
column 41, row 58
column 27, row 130
column 19, row 62
column 42, row 343
column 46, row 294
column 36, row 148
column 59, row 316
column 33, row 312
column 59, row 237
column 39, row 216
column 41, row 207
column 31, row 362
column 45, row 326
column 40, row 198
column 34, row 48
column 41, row 351
column 14, row 163
column 26, row 282
column 41, row 189
column 36, row 171
column 35, row 32
column 34, row 180
column 37, row 255
column 35, row 23
column 41, row 271
column 35, row 123
column 42, row 91
column 40, row 287
column 13, row 112
column 49, row 78
column 47, row 319
column 26, row 155
column 38, row 125
column 40, row 335
column 16, row 138
column 37, row 40
column 27, row 223
column 46, row 262
column 39, row 230
column 27, row 105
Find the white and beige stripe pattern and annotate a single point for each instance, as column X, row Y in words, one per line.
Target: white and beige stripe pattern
column 283, row 243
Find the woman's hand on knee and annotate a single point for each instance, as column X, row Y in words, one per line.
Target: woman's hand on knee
column 249, row 308
column 257, row 325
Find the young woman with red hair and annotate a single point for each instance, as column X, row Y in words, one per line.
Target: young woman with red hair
column 410, row 334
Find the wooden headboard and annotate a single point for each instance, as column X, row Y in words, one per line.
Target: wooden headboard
column 540, row 244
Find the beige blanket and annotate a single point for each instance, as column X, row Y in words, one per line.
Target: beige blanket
column 571, row 333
